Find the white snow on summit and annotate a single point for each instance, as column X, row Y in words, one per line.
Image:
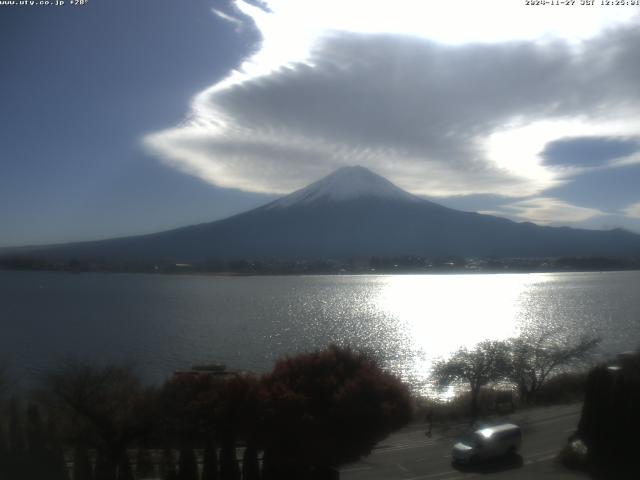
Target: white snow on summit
column 346, row 183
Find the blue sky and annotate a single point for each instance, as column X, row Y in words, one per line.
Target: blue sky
column 124, row 117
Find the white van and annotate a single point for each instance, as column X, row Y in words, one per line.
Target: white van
column 488, row 442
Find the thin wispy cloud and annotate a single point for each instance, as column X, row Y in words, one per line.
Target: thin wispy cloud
column 229, row 18
column 550, row 211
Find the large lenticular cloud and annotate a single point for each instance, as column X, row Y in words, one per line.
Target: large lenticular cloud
column 436, row 119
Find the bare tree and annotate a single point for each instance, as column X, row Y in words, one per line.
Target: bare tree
column 484, row 364
column 104, row 407
column 535, row 356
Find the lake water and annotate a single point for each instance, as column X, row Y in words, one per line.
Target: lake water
column 164, row 322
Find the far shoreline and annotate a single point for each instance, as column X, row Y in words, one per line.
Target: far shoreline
column 231, row 274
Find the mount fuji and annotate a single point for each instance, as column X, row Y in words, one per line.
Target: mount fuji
column 351, row 212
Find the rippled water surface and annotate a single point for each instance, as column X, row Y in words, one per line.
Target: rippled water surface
column 164, row 322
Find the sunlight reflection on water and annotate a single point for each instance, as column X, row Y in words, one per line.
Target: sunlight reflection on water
column 165, row 322
column 443, row 313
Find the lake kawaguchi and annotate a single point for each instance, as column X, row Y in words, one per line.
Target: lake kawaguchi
column 166, row 322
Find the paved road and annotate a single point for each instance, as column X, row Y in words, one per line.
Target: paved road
column 411, row 455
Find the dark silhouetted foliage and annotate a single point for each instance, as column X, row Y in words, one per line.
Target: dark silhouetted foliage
column 610, row 418
column 105, row 407
column 35, row 430
column 144, row 464
column 239, row 414
column 566, row 387
column 39, row 459
column 55, row 464
column 250, row 463
column 125, row 472
column 200, row 408
column 188, row 407
column 52, row 431
column 240, row 406
column 210, row 462
column 16, row 439
column 4, row 455
column 105, row 468
column 11, row 464
column 58, row 469
column 229, row 469
column 187, row 465
column 81, row 464
column 327, row 408
column 168, row 465
column 3, row 443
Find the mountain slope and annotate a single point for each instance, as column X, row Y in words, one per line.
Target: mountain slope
column 353, row 212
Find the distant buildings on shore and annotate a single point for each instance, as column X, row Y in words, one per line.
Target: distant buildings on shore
column 352, row 265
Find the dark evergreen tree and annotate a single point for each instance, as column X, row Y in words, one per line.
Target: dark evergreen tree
column 105, row 468
column 210, row 462
column 239, row 415
column 167, row 465
column 54, row 462
column 16, row 440
column 38, row 461
column 124, row 468
column 3, row 440
column 57, row 464
column 281, row 467
column 610, row 418
column 229, row 469
column 269, row 469
column 250, row 464
column 188, row 408
column 81, row 464
column 187, row 465
column 35, row 431
column 144, row 465
column 3, row 445
column 6, row 458
column 51, row 434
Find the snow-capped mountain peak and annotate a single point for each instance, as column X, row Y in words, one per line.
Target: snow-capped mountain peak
column 346, row 183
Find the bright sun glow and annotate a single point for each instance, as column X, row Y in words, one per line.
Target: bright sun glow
column 469, row 308
column 292, row 27
column 524, row 143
